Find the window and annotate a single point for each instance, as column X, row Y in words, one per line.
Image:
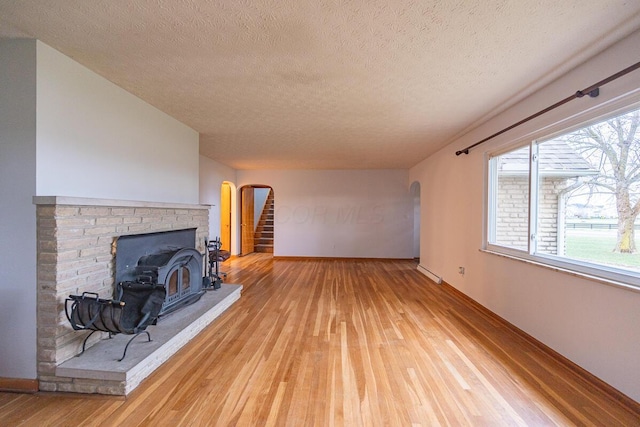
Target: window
column 571, row 199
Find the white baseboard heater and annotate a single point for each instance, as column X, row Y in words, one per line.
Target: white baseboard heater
column 431, row 275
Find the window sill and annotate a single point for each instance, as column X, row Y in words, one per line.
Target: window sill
column 574, row 273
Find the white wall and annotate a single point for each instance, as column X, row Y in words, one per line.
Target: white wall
column 97, row 140
column 68, row 132
column 339, row 213
column 415, row 193
column 17, row 215
column 212, row 175
column 593, row 324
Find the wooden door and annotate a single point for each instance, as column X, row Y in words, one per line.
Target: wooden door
column 247, row 228
column 225, row 217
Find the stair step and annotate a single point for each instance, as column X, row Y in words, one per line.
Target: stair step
column 264, row 248
column 264, row 235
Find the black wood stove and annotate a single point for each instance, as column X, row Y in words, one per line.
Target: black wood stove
column 156, row 274
column 168, row 259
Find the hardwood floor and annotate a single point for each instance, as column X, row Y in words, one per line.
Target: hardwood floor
column 344, row 342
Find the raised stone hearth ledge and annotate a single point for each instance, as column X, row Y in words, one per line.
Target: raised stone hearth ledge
column 98, row 369
column 83, row 201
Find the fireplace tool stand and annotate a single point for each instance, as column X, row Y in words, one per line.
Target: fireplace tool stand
column 136, row 307
column 215, row 255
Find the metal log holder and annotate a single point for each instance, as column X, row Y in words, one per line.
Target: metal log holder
column 136, row 306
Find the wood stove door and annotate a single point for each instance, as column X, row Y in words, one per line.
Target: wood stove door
column 178, row 284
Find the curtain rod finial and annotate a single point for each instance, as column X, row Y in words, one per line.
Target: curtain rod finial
column 465, row 151
column 593, row 93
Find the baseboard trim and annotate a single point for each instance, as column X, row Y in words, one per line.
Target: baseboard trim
column 431, row 275
column 18, row 385
column 321, row 258
column 586, row 376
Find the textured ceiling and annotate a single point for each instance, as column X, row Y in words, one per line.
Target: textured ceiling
column 298, row 84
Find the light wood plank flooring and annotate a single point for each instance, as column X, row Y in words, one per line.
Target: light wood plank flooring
column 344, row 343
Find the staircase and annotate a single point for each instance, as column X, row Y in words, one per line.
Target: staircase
column 263, row 237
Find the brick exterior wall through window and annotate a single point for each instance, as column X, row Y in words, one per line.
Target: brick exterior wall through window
column 512, row 212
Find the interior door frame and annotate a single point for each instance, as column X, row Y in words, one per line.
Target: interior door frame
column 247, row 242
column 225, row 216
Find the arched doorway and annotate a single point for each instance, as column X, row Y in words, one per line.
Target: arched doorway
column 257, row 214
column 415, row 192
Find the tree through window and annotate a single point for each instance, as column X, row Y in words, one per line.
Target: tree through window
column 613, row 147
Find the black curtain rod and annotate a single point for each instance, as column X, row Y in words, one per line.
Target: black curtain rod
column 592, row 91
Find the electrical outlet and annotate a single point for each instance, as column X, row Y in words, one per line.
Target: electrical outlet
column 461, row 270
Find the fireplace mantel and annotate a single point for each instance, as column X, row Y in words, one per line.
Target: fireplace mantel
column 85, row 201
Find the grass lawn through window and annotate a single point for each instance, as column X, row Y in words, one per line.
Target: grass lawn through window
column 597, row 246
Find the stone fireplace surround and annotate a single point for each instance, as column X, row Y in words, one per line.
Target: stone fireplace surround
column 76, row 243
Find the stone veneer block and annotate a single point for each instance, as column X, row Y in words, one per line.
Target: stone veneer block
column 99, row 363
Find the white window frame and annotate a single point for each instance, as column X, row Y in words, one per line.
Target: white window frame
column 609, row 275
